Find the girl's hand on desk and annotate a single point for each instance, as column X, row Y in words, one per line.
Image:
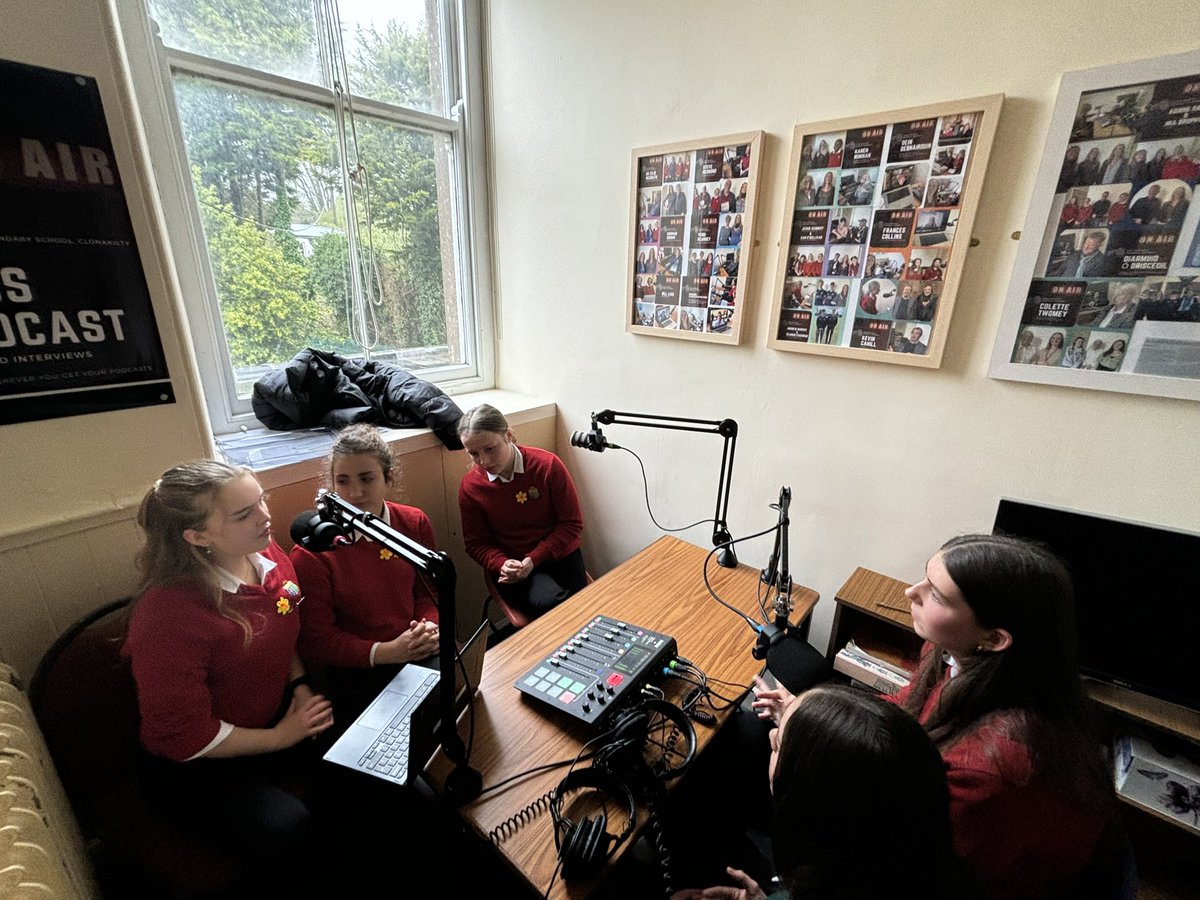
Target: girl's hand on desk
column 747, row 889
column 420, row 641
column 305, row 718
column 770, row 702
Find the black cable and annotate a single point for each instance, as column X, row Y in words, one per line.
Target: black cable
column 646, row 489
column 762, row 606
column 513, row 823
column 470, row 689
column 708, row 585
column 550, row 886
column 533, row 771
column 661, row 847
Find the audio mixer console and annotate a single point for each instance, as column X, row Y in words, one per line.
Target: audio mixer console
column 599, row 669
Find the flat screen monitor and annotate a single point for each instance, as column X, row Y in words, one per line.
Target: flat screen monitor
column 1137, row 595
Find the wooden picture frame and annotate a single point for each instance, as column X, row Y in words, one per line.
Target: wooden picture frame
column 689, row 269
column 1119, row 288
column 881, row 208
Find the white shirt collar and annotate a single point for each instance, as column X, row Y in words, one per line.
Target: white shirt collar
column 952, row 663
column 230, row 582
column 518, row 467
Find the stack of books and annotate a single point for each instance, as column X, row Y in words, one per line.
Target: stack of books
column 870, row 670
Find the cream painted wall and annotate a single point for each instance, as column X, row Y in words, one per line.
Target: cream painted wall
column 62, row 470
column 885, row 462
column 70, row 485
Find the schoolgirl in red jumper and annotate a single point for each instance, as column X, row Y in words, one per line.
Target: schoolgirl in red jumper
column 366, row 611
column 520, row 515
column 221, row 692
column 998, row 691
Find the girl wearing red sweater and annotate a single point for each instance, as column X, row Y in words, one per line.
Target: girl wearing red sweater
column 998, row 691
column 211, row 641
column 520, row 515
column 366, row 611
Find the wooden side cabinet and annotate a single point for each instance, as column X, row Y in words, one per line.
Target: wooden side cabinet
column 871, row 610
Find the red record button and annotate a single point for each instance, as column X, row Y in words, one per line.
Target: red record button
column 615, row 679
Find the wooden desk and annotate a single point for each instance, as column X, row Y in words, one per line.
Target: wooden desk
column 660, row 588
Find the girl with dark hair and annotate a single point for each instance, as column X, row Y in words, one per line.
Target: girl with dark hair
column 998, row 691
column 1000, row 695
column 841, row 754
column 520, row 515
column 366, row 611
column 224, row 706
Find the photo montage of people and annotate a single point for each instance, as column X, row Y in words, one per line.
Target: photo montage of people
column 1113, row 268
column 691, row 208
column 874, row 220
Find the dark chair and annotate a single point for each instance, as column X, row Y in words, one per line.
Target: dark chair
column 85, row 701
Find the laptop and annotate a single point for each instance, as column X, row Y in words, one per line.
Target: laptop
column 396, row 735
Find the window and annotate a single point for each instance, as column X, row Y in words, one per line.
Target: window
column 320, row 158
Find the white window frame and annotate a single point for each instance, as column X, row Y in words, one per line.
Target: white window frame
column 150, row 67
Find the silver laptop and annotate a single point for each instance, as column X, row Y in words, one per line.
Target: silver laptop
column 395, row 736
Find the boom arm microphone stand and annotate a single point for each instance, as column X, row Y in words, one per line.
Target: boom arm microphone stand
column 727, row 428
column 781, row 644
column 464, row 783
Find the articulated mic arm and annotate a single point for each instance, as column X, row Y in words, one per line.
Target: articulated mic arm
column 727, row 428
column 464, row 783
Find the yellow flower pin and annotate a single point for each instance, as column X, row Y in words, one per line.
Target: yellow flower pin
column 283, row 606
column 522, row 496
column 385, row 553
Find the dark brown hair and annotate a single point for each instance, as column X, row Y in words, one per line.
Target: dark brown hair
column 1024, row 589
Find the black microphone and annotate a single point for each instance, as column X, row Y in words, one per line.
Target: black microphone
column 593, row 439
column 315, row 534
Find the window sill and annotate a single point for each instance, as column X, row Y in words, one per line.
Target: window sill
column 287, row 457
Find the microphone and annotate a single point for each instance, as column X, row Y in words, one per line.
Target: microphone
column 593, row 439
column 315, row 534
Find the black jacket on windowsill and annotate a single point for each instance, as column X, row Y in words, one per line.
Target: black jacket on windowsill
column 318, row 388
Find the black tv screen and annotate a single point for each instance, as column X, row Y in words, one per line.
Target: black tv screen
column 1137, row 595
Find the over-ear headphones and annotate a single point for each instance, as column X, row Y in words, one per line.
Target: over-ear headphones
column 653, row 741
column 584, row 847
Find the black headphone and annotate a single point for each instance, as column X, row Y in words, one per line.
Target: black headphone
column 650, row 743
column 584, row 847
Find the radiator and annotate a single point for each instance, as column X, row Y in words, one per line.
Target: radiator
column 41, row 851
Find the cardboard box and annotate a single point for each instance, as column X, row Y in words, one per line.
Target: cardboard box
column 1164, row 784
column 868, row 672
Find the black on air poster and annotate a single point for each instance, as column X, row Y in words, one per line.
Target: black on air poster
column 77, row 329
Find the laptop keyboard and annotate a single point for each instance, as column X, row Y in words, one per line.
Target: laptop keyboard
column 389, row 754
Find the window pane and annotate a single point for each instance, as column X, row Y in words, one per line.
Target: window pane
column 269, row 191
column 411, row 274
column 276, row 36
column 392, row 51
